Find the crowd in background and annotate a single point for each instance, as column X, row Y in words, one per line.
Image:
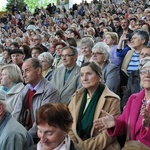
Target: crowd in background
column 91, row 51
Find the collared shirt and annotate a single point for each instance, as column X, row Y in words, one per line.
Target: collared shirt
column 87, row 102
column 67, row 74
column 34, row 88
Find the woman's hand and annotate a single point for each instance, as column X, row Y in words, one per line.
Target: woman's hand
column 146, row 118
column 105, row 122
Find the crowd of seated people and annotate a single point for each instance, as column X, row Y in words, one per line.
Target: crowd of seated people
column 71, row 79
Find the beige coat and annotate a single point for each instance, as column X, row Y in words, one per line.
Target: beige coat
column 109, row 102
column 126, row 61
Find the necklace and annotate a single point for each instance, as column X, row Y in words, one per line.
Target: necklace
column 144, row 104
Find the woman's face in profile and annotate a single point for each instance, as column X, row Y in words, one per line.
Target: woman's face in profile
column 4, row 79
column 89, row 78
column 50, row 136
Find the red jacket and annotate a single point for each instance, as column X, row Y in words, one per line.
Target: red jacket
column 132, row 113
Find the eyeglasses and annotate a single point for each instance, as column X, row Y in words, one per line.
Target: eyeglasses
column 144, row 71
column 35, row 39
column 67, row 55
column 98, row 53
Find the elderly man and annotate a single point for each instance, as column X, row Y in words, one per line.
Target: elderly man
column 37, row 92
column 37, row 39
column 17, row 56
column 13, row 136
column 67, row 78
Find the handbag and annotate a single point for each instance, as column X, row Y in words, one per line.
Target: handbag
column 132, row 144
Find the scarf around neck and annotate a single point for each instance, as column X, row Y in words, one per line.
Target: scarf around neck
column 85, row 119
column 65, row 145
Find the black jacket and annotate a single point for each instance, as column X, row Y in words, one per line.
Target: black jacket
column 133, row 86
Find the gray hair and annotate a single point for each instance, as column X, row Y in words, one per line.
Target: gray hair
column 34, row 62
column 143, row 34
column 144, row 62
column 87, row 41
column 73, row 49
column 13, row 72
column 47, row 56
column 103, row 47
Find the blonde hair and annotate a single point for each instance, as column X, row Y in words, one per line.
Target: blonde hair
column 13, row 72
column 113, row 35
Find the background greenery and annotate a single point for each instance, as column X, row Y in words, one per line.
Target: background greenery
column 31, row 4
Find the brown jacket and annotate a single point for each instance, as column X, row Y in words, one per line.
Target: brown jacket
column 109, row 102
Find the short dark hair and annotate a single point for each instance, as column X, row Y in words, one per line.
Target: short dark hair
column 71, row 42
column 116, row 19
column 57, row 115
column 15, row 44
column 37, row 48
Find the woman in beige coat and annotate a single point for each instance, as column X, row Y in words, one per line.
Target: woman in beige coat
column 86, row 105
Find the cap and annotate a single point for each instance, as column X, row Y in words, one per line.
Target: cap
column 145, row 62
column 14, row 51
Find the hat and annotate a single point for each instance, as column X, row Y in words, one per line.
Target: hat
column 14, row 51
column 2, row 95
column 145, row 62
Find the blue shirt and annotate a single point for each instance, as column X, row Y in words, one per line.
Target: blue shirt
column 134, row 62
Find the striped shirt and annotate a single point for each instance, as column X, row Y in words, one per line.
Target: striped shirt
column 134, row 62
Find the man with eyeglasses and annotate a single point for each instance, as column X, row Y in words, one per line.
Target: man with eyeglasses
column 67, row 78
column 37, row 40
column 57, row 58
column 134, row 82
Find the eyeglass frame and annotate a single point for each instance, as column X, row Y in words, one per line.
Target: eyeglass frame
column 67, row 55
column 144, row 71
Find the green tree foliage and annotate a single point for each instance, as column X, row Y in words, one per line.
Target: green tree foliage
column 10, row 3
column 31, row 4
column 3, row 8
column 39, row 3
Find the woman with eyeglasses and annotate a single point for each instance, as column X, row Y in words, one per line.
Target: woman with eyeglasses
column 110, row 72
column 134, row 82
column 134, row 122
column 85, row 107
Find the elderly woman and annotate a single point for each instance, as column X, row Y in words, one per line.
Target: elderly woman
column 111, row 73
column 85, row 107
column 136, row 114
column 12, row 83
column 86, row 48
column 47, row 69
column 53, row 122
column 111, row 39
column 139, row 40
